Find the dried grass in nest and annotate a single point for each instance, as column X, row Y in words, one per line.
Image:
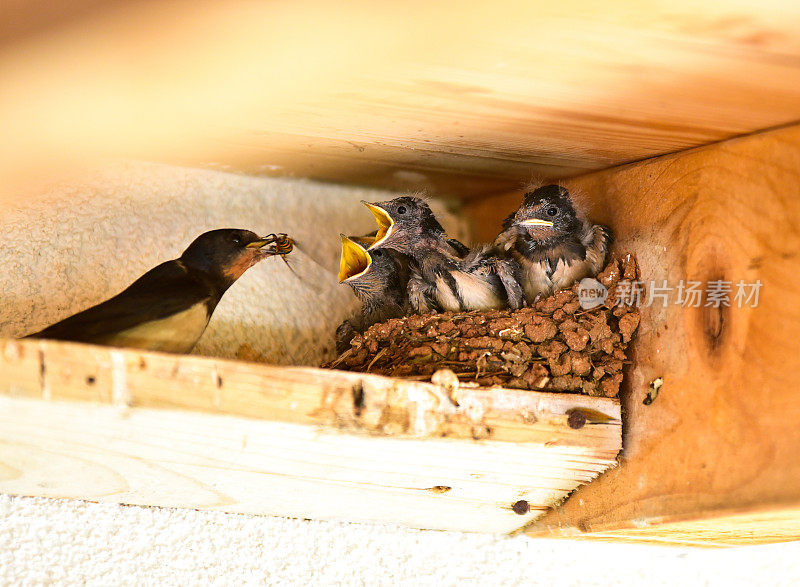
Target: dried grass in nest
column 554, row 345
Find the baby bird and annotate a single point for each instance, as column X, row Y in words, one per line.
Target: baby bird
column 552, row 244
column 168, row 308
column 443, row 276
column 379, row 278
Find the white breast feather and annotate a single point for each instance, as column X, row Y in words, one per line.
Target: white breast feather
column 476, row 293
column 445, row 296
column 176, row 334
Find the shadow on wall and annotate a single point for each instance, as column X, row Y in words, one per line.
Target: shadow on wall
column 79, row 244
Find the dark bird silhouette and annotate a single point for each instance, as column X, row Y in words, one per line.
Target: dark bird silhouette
column 168, row 308
column 443, row 275
column 379, row 278
column 553, row 245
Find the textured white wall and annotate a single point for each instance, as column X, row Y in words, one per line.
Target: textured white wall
column 81, row 243
column 69, row 542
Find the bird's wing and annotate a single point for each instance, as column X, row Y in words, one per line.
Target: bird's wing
column 460, row 248
column 161, row 292
column 597, row 239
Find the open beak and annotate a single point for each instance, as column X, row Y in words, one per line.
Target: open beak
column 385, row 223
column 355, row 259
column 535, row 222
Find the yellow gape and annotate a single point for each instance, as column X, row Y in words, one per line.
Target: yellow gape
column 355, row 259
column 385, row 223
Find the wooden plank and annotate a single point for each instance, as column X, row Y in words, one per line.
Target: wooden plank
column 474, row 98
column 722, row 434
column 126, row 426
column 718, row 530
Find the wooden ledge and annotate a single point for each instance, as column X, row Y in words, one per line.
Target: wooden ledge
column 126, row 426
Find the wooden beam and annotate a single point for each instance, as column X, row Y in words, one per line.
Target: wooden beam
column 714, row 457
column 125, row 426
column 24, row 18
column 487, row 92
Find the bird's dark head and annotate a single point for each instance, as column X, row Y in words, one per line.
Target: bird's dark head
column 225, row 254
column 402, row 222
column 546, row 214
column 368, row 272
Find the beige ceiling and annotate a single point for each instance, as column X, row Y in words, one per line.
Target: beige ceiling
column 459, row 98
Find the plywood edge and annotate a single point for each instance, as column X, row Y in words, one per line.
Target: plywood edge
column 126, row 426
column 718, row 528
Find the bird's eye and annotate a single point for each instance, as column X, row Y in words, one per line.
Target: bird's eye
column 377, row 252
column 236, row 240
column 401, row 209
column 552, row 211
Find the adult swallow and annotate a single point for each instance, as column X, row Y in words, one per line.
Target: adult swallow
column 379, row 278
column 553, row 245
column 168, row 308
column 443, row 276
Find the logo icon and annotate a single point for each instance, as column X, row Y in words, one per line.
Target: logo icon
column 591, row 293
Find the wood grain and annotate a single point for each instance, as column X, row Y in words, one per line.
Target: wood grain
column 722, row 434
column 126, row 426
column 469, row 99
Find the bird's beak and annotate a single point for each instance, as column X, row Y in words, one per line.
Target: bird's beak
column 385, row 223
column 535, row 222
column 258, row 244
column 355, row 259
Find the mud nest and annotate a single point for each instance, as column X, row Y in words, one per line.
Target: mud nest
column 554, row 345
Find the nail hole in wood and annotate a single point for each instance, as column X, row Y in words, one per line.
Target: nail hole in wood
column 90, row 380
column 576, row 419
column 219, row 381
column 521, row 507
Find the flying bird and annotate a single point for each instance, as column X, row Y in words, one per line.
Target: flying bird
column 379, row 278
column 168, row 308
column 553, row 245
column 443, row 276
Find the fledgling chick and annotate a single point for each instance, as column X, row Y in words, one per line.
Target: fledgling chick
column 553, row 245
column 168, row 308
column 379, row 278
column 444, row 277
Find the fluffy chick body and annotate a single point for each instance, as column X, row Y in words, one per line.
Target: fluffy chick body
column 444, row 276
column 379, row 278
column 553, row 245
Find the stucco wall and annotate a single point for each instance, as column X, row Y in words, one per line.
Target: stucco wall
column 82, row 242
